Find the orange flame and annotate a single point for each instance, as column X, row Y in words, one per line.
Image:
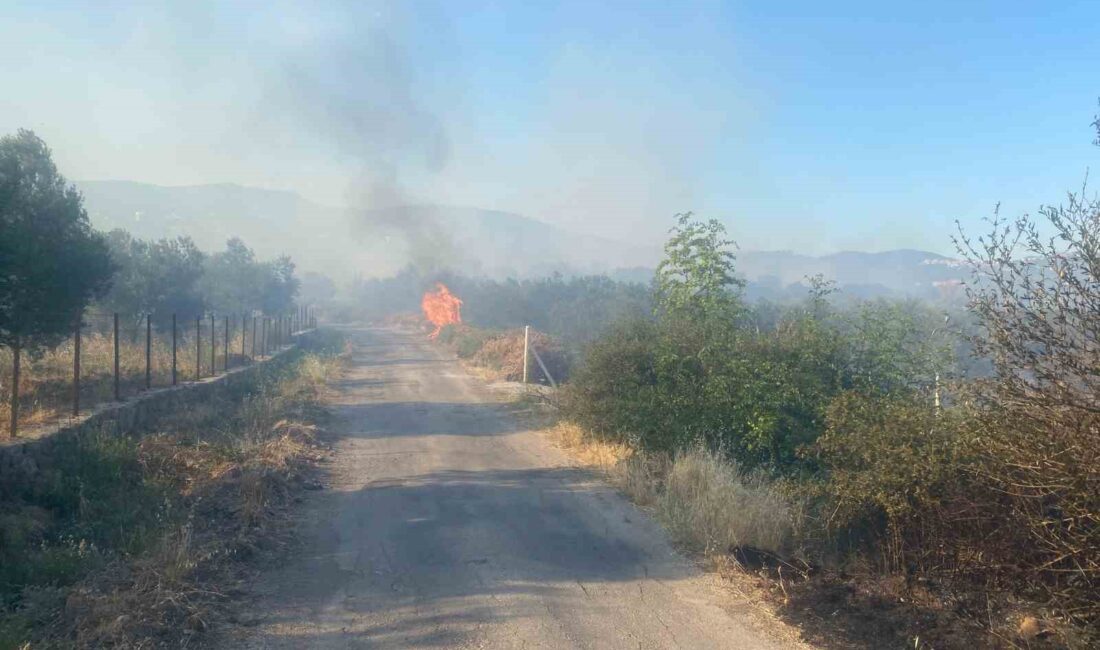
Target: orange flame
column 441, row 308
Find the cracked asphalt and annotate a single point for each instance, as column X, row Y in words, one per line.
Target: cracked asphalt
column 445, row 524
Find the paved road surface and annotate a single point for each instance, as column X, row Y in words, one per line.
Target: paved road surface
column 445, row 524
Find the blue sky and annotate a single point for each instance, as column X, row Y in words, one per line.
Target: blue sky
column 803, row 125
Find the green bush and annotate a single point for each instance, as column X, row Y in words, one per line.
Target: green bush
column 614, row 392
column 893, row 467
column 669, row 383
column 701, row 371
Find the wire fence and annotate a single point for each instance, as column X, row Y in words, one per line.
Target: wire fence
column 110, row 357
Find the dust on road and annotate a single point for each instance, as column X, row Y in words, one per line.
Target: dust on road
column 445, row 524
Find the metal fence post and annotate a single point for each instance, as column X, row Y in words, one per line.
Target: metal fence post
column 118, row 394
column 198, row 348
column 15, row 354
column 173, row 349
column 148, row 351
column 545, row 370
column 76, row 364
column 526, row 347
column 213, row 348
column 225, row 345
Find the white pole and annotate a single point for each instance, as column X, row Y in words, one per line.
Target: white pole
column 526, row 343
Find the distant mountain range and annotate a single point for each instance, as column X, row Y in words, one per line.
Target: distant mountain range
column 342, row 243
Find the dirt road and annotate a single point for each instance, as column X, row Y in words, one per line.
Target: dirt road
column 445, row 524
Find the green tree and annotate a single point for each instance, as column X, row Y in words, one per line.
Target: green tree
column 232, row 281
column 158, row 278
column 280, row 286
column 696, row 278
column 51, row 261
column 235, row 281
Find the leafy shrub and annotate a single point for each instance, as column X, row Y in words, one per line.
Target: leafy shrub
column 893, row 469
column 702, row 372
column 613, row 394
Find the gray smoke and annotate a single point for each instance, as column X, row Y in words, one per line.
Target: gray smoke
column 354, row 91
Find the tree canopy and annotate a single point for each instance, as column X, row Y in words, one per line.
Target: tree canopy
column 235, row 281
column 697, row 276
column 52, row 263
column 158, row 278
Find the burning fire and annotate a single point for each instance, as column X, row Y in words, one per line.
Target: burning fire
column 441, row 308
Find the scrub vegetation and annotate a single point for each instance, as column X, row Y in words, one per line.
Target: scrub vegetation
column 834, row 442
column 138, row 539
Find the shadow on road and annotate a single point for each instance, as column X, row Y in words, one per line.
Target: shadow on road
column 419, row 419
column 424, row 560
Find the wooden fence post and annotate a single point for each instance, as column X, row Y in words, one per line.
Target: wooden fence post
column 526, row 347
column 198, row 348
column 213, row 348
column 118, row 393
column 225, row 346
column 173, row 349
column 15, row 355
column 148, row 351
column 76, row 364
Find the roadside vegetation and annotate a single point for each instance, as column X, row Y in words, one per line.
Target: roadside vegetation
column 859, row 450
column 56, row 272
column 138, row 539
column 498, row 354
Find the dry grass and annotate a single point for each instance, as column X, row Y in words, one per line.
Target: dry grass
column 179, row 589
column 586, row 450
column 707, row 504
column 709, row 508
column 46, row 381
column 226, row 473
column 748, row 530
column 503, row 353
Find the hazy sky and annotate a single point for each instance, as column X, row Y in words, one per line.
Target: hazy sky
column 804, row 125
